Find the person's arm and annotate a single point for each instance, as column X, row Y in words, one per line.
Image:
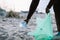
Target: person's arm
column 49, row 6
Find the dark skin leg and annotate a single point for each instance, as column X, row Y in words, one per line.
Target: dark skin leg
column 32, row 9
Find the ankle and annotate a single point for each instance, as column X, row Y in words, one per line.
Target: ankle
column 26, row 21
column 58, row 32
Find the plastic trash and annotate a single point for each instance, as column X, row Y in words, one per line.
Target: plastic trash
column 44, row 30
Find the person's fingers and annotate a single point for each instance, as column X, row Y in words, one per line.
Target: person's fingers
column 47, row 10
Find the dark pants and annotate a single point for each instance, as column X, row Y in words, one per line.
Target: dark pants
column 32, row 9
column 57, row 15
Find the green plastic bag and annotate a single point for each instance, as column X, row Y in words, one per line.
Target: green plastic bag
column 44, row 30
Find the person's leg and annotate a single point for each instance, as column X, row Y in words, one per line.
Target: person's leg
column 33, row 7
column 57, row 17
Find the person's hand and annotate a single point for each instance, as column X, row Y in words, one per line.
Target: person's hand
column 47, row 10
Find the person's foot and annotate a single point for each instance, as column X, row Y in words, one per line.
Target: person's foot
column 57, row 36
column 23, row 24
